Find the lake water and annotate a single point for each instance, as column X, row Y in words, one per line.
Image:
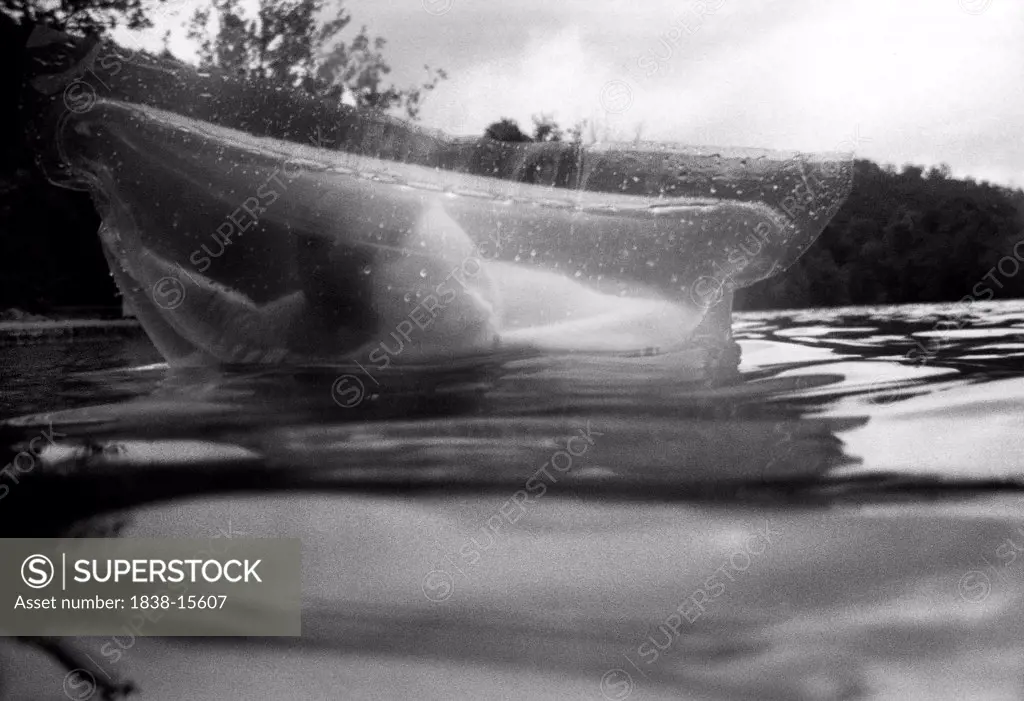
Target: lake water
column 841, row 522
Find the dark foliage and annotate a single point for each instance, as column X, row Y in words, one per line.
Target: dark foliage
column 81, row 16
column 906, row 237
column 506, row 129
column 49, row 252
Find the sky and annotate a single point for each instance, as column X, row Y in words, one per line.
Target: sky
column 896, row 81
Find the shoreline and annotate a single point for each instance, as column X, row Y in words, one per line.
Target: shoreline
column 25, row 332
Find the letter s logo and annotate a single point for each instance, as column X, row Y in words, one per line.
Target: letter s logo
column 37, row 571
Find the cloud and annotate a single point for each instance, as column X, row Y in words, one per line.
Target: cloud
column 555, row 73
column 921, row 80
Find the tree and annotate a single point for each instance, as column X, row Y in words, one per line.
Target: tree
column 903, row 238
column 49, row 253
column 576, row 131
column 80, row 16
column 912, row 171
column 285, row 44
column 506, row 129
column 545, row 128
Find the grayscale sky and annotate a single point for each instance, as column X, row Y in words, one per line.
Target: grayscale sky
column 923, row 81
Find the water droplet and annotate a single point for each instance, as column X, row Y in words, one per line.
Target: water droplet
column 367, row 270
column 423, row 273
column 407, row 297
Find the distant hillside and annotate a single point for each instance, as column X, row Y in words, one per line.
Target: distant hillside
column 904, row 237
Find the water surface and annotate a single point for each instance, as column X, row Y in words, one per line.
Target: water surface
column 841, row 521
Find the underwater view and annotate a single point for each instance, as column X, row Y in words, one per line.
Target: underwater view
column 548, row 415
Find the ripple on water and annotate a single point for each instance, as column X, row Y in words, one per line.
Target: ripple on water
column 888, row 572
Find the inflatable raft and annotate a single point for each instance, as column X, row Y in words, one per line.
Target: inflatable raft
column 247, row 224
